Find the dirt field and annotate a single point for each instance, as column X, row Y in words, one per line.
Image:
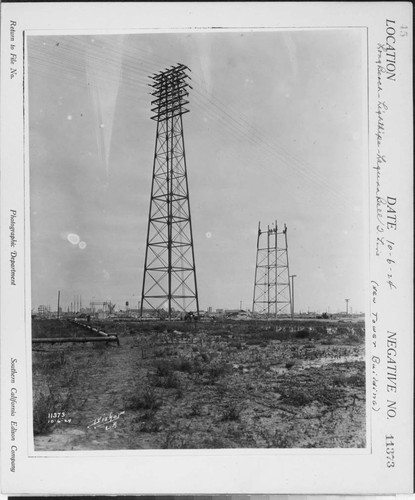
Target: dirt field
column 235, row 384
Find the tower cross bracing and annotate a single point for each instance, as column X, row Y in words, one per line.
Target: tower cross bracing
column 272, row 287
column 169, row 280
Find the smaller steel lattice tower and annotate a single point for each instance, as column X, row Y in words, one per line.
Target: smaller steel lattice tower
column 272, row 288
column 169, row 281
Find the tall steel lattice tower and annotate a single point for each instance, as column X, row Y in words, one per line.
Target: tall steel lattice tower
column 169, row 281
column 272, row 288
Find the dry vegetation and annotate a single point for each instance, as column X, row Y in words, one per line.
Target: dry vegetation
column 242, row 384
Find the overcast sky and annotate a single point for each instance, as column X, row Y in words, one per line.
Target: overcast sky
column 276, row 131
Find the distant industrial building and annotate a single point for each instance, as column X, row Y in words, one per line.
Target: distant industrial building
column 44, row 311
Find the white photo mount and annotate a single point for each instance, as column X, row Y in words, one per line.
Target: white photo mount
column 385, row 464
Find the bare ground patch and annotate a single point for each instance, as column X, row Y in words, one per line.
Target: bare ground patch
column 199, row 386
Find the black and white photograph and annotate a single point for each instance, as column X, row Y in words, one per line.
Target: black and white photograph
column 163, row 315
column 206, row 257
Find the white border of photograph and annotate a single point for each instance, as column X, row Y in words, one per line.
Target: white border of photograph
column 388, row 310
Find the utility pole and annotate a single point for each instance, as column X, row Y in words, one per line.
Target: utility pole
column 292, row 295
column 59, row 297
column 347, row 306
